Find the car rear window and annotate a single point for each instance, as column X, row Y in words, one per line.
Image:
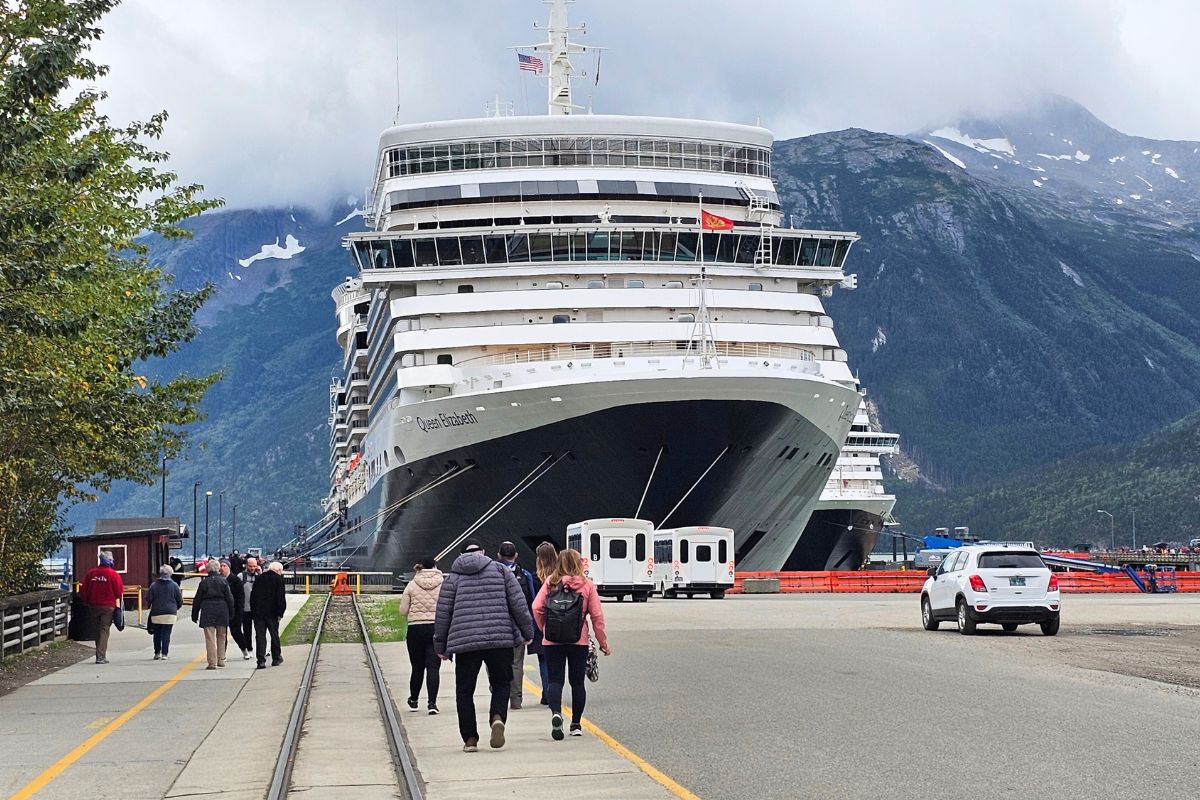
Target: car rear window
column 1005, row 560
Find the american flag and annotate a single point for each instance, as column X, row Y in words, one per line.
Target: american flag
column 529, row 63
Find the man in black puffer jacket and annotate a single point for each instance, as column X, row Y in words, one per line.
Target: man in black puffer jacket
column 481, row 617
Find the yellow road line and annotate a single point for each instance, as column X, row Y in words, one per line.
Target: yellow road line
column 60, row 766
column 624, row 752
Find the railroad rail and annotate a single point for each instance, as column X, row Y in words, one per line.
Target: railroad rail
column 407, row 782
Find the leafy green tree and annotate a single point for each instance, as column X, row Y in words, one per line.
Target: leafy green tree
column 80, row 309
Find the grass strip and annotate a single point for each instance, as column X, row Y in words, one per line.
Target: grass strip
column 302, row 626
column 384, row 621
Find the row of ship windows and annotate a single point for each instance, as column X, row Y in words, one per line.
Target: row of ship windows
column 619, row 283
column 523, row 248
column 596, row 151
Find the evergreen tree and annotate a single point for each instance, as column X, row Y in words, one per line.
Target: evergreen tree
column 80, row 309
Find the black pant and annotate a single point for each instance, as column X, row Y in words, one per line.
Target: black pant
column 237, row 629
column 424, row 660
column 466, row 675
column 261, row 627
column 570, row 659
column 247, row 623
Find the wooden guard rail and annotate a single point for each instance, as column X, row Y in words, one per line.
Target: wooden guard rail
column 911, row 581
column 29, row 620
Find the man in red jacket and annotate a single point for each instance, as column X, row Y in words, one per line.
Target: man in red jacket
column 101, row 590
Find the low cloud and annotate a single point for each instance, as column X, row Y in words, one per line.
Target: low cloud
column 281, row 103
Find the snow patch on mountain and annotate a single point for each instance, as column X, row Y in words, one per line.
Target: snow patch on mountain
column 1038, row 182
column 951, row 158
column 291, row 247
column 1143, row 180
column 1174, row 174
column 1070, row 273
column 1136, row 196
column 1115, row 159
column 1149, row 363
column 953, row 134
column 1056, row 158
column 358, row 212
column 879, row 340
column 1081, row 156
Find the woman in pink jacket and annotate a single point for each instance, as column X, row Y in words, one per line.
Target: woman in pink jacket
column 569, row 659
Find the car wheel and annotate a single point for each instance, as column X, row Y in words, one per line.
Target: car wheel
column 690, row 595
column 966, row 619
column 1009, row 626
column 717, row 594
column 927, row 618
column 1050, row 626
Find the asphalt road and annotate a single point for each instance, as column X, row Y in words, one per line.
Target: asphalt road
column 844, row 696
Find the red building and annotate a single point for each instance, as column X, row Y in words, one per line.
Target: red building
column 139, row 547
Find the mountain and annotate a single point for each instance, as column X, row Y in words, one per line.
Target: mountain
column 1000, row 327
column 1153, row 484
column 265, row 438
column 994, row 335
column 1057, row 150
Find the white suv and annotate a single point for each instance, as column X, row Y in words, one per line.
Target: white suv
column 1005, row 584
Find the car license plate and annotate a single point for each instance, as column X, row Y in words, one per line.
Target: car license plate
column 1018, row 580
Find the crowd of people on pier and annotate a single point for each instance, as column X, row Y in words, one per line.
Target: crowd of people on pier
column 490, row 614
column 235, row 599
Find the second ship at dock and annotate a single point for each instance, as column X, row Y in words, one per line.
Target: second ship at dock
column 526, row 346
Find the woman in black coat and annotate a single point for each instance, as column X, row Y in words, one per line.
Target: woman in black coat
column 212, row 608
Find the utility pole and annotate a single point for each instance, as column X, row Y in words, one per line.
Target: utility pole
column 221, row 523
column 195, row 527
column 1112, row 528
column 163, row 511
column 233, row 534
column 207, row 552
column 1135, row 529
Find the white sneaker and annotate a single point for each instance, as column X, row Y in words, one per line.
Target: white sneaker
column 166, row 658
column 245, row 655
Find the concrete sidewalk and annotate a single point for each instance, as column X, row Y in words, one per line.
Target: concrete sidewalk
column 210, row 732
column 531, row 765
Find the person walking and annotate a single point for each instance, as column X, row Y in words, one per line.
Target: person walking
column 419, row 604
column 238, row 590
column 236, row 562
column 545, row 564
column 249, row 575
column 562, row 608
column 481, row 616
column 268, row 602
column 166, row 599
column 101, row 591
column 529, row 587
column 212, row 609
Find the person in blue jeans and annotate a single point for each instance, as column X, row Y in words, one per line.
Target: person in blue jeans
column 165, row 601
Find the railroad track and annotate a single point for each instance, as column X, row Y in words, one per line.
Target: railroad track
column 342, row 612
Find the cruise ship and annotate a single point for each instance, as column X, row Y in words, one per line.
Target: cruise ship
column 854, row 507
column 572, row 315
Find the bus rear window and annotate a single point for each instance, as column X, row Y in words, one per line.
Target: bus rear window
column 703, row 552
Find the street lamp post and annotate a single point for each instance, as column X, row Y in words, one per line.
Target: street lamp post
column 1135, row 530
column 163, row 511
column 221, row 523
column 1112, row 527
column 195, row 527
column 207, row 551
column 233, row 533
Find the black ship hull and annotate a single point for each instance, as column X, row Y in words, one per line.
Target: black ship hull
column 836, row 539
column 753, row 466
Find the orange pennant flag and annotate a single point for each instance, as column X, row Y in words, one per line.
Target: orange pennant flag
column 711, row 222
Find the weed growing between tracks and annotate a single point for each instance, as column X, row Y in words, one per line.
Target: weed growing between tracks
column 304, row 625
column 384, row 621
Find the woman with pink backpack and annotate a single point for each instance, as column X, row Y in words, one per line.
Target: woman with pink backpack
column 562, row 608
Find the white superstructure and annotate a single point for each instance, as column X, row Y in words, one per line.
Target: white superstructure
column 526, row 338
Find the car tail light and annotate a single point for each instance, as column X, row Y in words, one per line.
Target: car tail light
column 1053, row 587
column 977, row 584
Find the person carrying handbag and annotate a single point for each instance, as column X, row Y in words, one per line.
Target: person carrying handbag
column 562, row 609
column 101, row 590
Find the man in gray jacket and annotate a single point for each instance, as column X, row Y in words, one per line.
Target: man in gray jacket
column 481, row 617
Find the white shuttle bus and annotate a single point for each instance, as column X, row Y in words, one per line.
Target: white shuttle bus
column 694, row 560
column 616, row 555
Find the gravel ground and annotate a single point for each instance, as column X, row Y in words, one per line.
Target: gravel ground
column 341, row 624
column 16, row 671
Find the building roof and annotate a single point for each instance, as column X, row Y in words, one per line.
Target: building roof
column 113, row 528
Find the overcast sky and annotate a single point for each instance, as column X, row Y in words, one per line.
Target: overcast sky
column 280, row 102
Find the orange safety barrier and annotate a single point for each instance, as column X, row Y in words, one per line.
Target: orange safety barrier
column 892, row 582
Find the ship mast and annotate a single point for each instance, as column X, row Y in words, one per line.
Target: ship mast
column 558, row 49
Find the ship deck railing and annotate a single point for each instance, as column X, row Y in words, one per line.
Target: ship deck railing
column 621, row 350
